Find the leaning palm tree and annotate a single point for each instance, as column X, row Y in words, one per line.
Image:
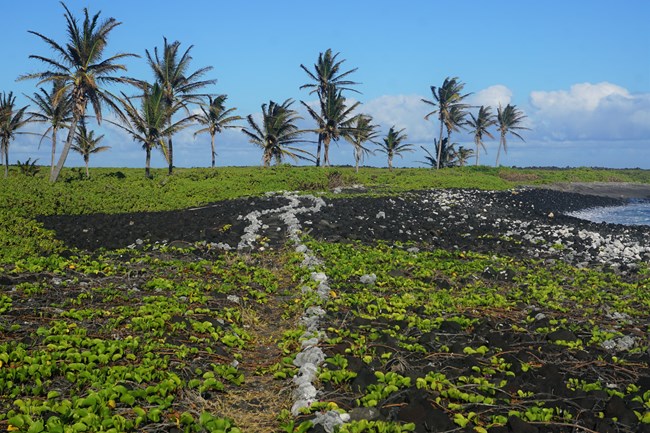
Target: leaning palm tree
column 82, row 68
column 179, row 85
column 362, row 130
column 276, row 133
column 11, row 120
column 509, row 120
column 87, row 144
column 328, row 79
column 457, row 119
column 393, row 145
column 148, row 124
column 334, row 119
column 447, row 101
column 216, row 118
column 55, row 110
column 480, row 124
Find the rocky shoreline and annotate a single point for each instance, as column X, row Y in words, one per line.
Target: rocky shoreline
column 527, row 222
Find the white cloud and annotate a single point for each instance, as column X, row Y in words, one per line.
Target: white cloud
column 587, row 111
column 492, row 96
column 403, row 111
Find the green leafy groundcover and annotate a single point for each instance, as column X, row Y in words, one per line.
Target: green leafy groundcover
column 163, row 339
column 483, row 337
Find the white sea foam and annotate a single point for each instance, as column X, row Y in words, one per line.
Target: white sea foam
column 635, row 213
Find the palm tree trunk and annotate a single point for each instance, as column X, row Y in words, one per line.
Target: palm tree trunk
column 390, row 162
column 86, row 158
column 213, row 152
column 147, row 164
column 53, row 149
column 66, row 147
column 326, row 152
column 320, row 142
column 326, row 157
column 502, row 142
column 170, row 149
column 357, row 158
column 439, row 145
column 478, row 149
column 5, row 151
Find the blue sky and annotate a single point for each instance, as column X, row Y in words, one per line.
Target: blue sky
column 579, row 69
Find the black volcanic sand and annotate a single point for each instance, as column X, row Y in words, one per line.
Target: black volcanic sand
column 481, row 221
column 468, row 220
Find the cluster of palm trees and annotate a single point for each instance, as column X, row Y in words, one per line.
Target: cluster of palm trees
column 448, row 102
column 175, row 98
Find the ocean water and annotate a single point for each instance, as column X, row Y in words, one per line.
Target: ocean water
column 634, row 213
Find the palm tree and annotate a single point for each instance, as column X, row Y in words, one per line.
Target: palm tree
column 447, row 154
column 509, row 120
column 55, row 110
column 462, row 155
column 451, row 157
column 179, row 86
column 393, row 145
column 328, row 79
column 11, row 120
column 216, row 118
column 149, row 123
column 335, row 119
column 447, row 102
column 276, row 133
column 362, row 130
column 82, row 68
column 480, row 124
column 86, row 144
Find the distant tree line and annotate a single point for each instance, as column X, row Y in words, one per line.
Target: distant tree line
column 75, row 83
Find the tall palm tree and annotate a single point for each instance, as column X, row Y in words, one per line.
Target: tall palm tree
column 362, row 130
column 447, row 101
column 393, row 145
column 334, row 119
column 80, row 64
column 328, row 79
column 55, row 110
column 171, row 69
column 509, row 120
column 480, row 124
column 11, row 120
column 87, row 144
column 148, row 124
column 277, row 132
column 216, row 118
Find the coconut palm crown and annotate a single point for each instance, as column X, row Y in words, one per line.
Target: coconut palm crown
column 447, row 101
column 87, row 144
column 362, row 131
column 334, row 120
column 393, row 145
column 11, row 120
column 55, row 109
column 509, row 121
column 329, row 80
column 215, row 117
column 171, row 70
column 80, row 64
column 148, row 123
column 277, row 133
column 480, row 123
